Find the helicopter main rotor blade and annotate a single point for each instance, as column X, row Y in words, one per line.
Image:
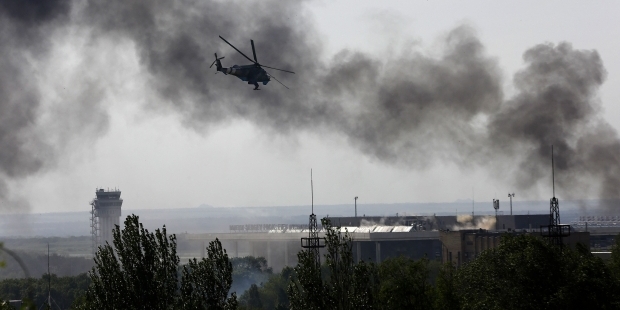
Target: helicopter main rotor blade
column 238, row 51
column 275, row 68
column 276, row 79
column 255, row 62
column 254, row 51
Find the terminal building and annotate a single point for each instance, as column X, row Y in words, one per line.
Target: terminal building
column 378, row 238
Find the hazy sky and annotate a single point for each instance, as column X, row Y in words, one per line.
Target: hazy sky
column 103, row 111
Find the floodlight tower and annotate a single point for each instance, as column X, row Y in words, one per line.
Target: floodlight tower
column 105, row 215
column 355, row 206
column 496, row 207
column 510, row 196
column 313, row 242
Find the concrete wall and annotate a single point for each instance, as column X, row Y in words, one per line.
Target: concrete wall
column 108, row 218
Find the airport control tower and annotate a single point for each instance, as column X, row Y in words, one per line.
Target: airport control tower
column 105, row 214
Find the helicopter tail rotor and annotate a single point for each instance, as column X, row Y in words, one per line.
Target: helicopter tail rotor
column 217, row 61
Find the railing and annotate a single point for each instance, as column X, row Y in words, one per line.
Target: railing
column 247, row 228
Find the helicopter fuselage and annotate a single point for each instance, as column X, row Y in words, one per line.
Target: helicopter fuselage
column 248, row 73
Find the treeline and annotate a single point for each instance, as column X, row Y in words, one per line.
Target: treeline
column 36, row 265
column 69, row 292
column 141, row 271
column 65, row 291
column 524, row 272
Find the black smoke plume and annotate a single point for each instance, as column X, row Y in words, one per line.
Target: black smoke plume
column 409, row 109
column 35, row 127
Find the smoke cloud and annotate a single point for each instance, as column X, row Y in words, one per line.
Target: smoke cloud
column 557, row 105
column 23, row 38
column 410, row 110
column 466, row 221
column 42, row 111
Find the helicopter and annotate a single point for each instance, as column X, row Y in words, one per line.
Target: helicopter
column 253, row 74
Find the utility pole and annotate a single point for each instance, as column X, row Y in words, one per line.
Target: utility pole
column 510, row 196
column 355, row 206
column 473, row 203
column 496, row 207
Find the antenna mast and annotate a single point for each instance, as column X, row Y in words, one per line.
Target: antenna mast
column 552, row 172
column 313, row 242
column 555, row 231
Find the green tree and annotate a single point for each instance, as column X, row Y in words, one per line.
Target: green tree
column 4, row 305
column 306, row 290
column 140, row 271
column 251, row 299
column 249, row 270
column 445, row 297
column 404, row 284
column 614, row 261
column 64, row 290
column 271, row 293
column 589, row 283
column 522, row 273
column 2, row 263
column 525, row 272
column 343, row 284
column 205, row 284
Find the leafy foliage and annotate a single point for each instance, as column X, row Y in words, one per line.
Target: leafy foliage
column 271, row 294
column 141, row 272
column 306, row 290
column 2, row 262
column 64, row 290
column 445, row 297
column 205, row 284
column 525, row 272
column 404, row 284
column 342, row 285
column 249, row 270
column 251, row 299
column 614, row 261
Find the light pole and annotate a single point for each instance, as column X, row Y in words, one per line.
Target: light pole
column 355, row 206
column 510, row 196
column 496, row 207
